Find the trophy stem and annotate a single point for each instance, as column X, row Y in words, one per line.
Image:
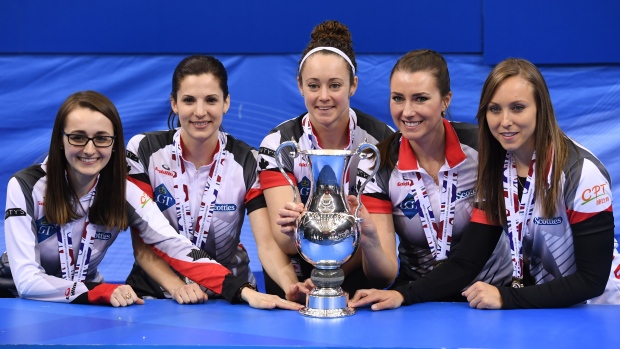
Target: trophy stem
column 327, row 300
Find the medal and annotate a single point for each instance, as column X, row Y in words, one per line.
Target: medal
column 518, row 212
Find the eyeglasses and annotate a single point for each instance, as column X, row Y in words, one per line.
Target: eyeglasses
column 81, row 140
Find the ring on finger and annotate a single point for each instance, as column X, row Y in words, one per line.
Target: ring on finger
column 128, row 296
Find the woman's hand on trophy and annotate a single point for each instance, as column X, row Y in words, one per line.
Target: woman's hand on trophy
column 380, row 299
column 297, row 292
column 267, row 301
column 289, row 216
column 369, row 229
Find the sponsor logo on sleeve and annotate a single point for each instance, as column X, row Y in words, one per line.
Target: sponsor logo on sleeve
column 131, row 156
column 163, row 198
column 267, row 152
column 70, row 292
column 408, row 206
column 144, row 199
column 597, row 194
column 14, row 212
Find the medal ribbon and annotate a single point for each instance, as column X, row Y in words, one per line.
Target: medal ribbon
column 310, row 141
column 70, row 270
column 314, row 142
column 438, row 236
column 518, row 219
column 197, row 236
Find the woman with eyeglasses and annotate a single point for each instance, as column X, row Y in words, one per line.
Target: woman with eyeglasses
column 62, row 215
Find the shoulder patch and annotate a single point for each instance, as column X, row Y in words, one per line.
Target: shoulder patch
column 14, row 212
column 267, row 151
column 131, row 156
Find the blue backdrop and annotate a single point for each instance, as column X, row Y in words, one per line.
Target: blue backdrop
column 128, row 50
column 263, row 94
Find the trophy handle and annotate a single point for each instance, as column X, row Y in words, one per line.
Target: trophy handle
column 293, row 154
column 360, row 152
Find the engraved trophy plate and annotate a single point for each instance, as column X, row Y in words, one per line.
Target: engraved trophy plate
column 327, row 234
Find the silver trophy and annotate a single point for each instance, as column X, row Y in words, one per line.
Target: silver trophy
column 327, row 234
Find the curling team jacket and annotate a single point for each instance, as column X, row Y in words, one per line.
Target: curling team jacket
column 152, row 168
column 585, row 214
column 390, row 192
column 32, row 245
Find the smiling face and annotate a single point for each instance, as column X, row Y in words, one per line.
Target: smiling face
column 200, row 104
column 416, row 105
column 325, row 84
column 511, row 116
column 85, row 162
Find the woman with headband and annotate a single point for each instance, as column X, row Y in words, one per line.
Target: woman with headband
column 326, row 79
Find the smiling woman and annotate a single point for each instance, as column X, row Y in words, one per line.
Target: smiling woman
column 326, row 79
column 424, row 192
column 86, row 156
column 203, row 180
column 538, row 179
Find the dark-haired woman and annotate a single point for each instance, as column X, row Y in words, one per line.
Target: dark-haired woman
column 203, row 180
column 326, row 80
column 62, row 216
column 424, row 192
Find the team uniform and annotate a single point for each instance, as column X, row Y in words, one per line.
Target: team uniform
column 154, row 166
column 399, row 192
column 362, row 128
column 568, row 246
column 36, row 247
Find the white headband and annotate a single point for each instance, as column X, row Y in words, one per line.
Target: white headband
column 333, row 49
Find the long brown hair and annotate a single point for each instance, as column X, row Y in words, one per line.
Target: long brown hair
column 412, row 62
column 109, row 205
column 547, row 136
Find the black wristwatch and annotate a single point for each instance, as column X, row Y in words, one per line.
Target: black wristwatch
column 248, row 285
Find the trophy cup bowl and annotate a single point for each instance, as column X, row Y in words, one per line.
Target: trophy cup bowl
column 327, row 234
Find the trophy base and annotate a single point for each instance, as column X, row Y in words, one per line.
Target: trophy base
column 327, row 303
